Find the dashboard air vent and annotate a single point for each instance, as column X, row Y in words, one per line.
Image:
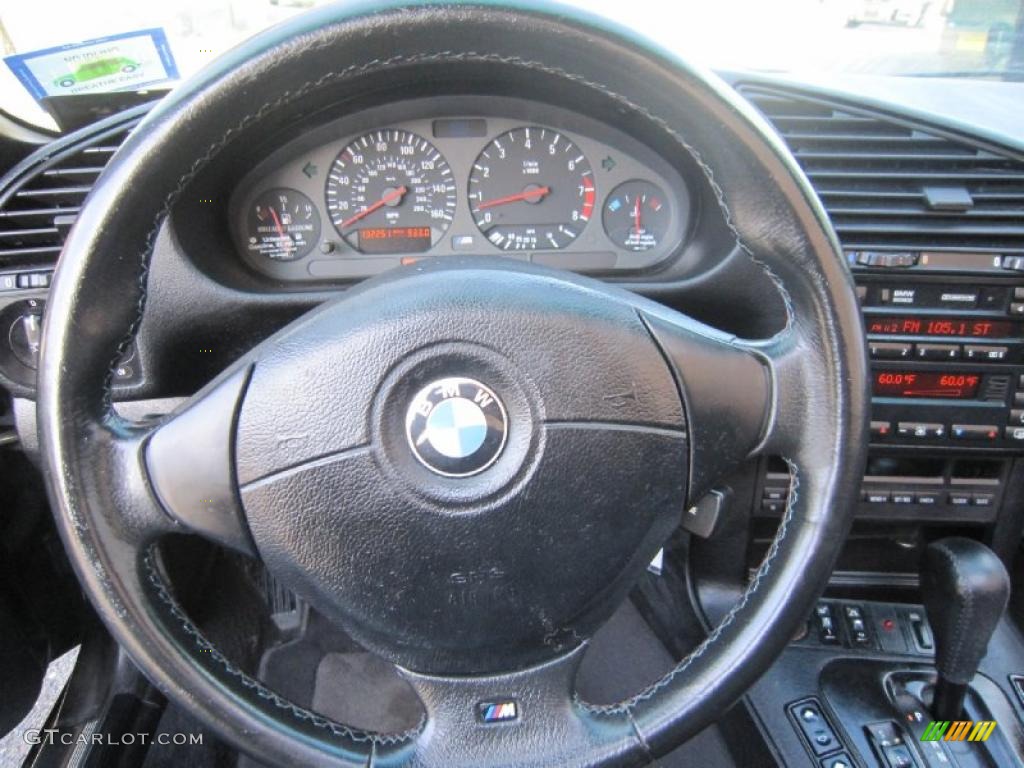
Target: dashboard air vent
column 41, row 197
column 889, row 183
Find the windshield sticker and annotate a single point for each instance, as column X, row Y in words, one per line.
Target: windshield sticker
column 126, row 62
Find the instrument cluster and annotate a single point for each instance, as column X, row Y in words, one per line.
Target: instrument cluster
column 474, row 177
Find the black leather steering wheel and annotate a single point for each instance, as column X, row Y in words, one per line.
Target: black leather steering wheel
column 483, row 578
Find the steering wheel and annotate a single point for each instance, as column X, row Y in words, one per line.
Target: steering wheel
column 465, row 463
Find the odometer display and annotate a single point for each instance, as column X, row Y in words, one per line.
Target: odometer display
column 926, row 384
column 387, row 190
column 531, row 189
column 395, row 239
column 974, row 328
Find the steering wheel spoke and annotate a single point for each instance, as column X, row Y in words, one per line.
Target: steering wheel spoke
column 731, row 387
column 529, row 717
column 190, row 463
column 134, row 516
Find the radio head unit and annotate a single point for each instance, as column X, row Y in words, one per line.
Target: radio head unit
column 947, row 359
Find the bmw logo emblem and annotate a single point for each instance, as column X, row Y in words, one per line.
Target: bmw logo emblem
column 456, row 427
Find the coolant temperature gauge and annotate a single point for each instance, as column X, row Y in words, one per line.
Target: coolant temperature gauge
column 636, row 215
column 283, row 225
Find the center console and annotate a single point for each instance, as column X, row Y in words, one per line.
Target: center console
column 862, row 684
column 946, row 340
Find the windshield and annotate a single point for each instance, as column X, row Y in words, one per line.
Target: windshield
column 137, row 45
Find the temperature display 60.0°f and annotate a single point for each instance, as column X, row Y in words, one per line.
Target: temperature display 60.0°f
column 926, row 384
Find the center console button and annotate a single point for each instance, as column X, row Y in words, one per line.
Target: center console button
column 938, row 351
column 920, row 430
column 985, row 352
column 889, row 350
column 922, row 632
column 816, row 728
column 884, row 734
column 898, row 756
column 960, row 499
column 886, row 259
column 902, row 497
column 882, row 428
column 842, row 760
column 974, row 432
column 928, row 498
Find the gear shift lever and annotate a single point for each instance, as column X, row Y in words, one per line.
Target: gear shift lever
column 965, row 589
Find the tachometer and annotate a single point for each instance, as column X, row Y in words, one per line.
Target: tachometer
column 531, row 189
column 391, row 191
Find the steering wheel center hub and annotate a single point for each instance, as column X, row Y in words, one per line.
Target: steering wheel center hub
column 525, row 442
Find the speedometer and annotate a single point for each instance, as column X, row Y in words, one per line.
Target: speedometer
column 531, row 189
column 391, row 191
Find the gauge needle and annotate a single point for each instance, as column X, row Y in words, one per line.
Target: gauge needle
column 389, row 197
column 636, row 215
column 529, row 194
column 277, row 225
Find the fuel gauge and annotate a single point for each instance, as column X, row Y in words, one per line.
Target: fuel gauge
column 283, row 225
column 636, row 215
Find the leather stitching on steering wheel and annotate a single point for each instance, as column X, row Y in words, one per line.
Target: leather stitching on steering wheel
column 623, row 707
column 627, row 705
column 262, row 691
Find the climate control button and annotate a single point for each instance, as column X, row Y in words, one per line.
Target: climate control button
column 920, row 430
column 974, row 432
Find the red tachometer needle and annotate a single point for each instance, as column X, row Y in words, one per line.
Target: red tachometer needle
column 527, row 195
column 636, row 215
column 392, row 195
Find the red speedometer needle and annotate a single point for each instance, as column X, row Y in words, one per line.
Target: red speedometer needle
column 389, row 197
column 529, row 194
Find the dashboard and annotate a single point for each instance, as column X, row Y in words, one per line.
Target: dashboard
column 926, row 210
column 926, row 214
column 456, row 176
